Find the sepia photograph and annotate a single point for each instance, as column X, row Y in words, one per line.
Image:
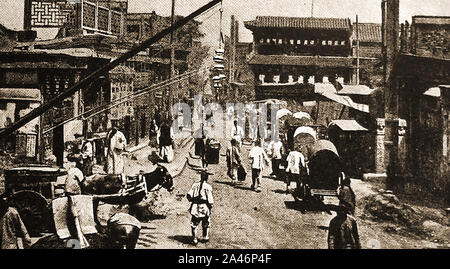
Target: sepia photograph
column 225, row 125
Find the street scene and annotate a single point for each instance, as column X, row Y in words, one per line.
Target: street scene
column 219, row 124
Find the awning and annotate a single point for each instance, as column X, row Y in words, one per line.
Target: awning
column 348, row 125
column 346, row 101
column 324, row 87
column 433, row 92
column 239, row 84
column 356, row 90
column 20, row 94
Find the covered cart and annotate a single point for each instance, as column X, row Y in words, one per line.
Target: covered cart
column 324, row 176
column 31, row 190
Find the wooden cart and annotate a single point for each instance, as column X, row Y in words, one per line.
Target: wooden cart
column 30, row 190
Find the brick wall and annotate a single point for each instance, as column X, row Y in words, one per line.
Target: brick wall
column 432, row 40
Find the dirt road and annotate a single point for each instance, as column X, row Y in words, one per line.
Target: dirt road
column 245, row 219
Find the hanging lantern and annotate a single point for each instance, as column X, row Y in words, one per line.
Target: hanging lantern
column 220, row 52
column 222, row 76
column 219, row 67
column 218, row 59
column 217, row 85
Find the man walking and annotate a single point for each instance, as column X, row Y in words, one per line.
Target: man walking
column 258, row 156
column 201, row 197
column 237, row 133
column 343, row 231
column 165, row 139
column 235, row 160
column 295, row 162
column 276, row 151
column 346, row 194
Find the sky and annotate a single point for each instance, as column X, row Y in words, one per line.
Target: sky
column 11, row 11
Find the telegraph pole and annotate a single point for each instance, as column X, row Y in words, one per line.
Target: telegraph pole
column 357, row 51
column 104, row 69
column 312, row 8
column 172, row 60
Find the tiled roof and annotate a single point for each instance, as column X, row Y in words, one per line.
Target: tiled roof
column 301, row 23
column 324, row 61
column 368, row 32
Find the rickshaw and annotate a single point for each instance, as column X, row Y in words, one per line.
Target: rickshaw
column 324, row 176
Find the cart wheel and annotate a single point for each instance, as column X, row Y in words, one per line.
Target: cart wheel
column 34, row 211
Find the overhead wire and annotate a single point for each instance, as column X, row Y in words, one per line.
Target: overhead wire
column 127, row 98
column 144, row 91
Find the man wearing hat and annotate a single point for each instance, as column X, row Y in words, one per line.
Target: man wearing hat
column 343, row 229
column 201, row 197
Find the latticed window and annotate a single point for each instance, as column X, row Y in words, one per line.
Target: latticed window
column 103, row 19
column 89, row 15
column 115, row 23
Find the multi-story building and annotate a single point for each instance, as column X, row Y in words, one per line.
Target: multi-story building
column 105, row 29
column 291, row 52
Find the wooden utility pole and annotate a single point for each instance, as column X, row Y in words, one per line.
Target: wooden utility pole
column 231, row 58
column 312, row 8
column 173, row 87
column 357, row 51
column 85, row 82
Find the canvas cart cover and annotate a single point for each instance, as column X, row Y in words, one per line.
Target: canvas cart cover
column 324, row 166
column 324, row 145
column 283, row 112
column 85, row 209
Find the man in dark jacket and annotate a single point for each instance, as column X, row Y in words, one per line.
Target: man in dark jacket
column 346, row 194
column 11, row 227
column 343, row 229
